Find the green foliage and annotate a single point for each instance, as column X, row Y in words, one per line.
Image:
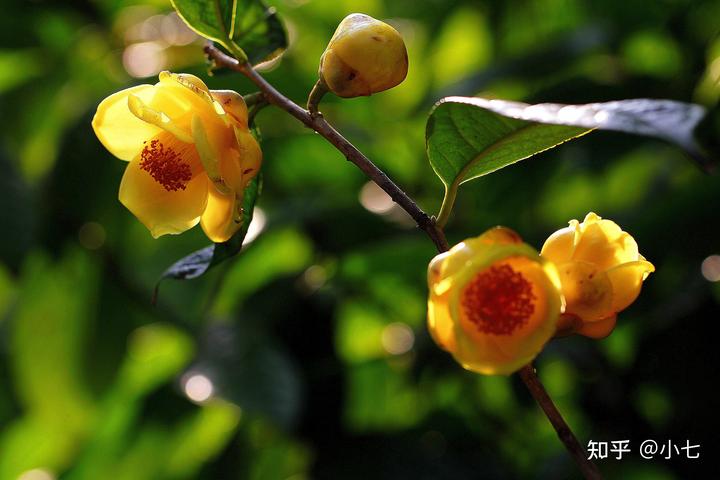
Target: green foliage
column 247, row 28
column 466, row 141
column 471, row 137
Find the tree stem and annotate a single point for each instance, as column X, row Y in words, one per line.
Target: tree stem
column 318, row 123
column 423, row 220
column 566, row 435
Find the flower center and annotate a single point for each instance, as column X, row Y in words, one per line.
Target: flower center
column 165, row 166
column 498, row 300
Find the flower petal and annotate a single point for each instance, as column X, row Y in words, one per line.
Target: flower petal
column 560, row 246
column 220, row 220
column 626, row 280
column 599, row 329
column 241, row 166
column 121, row 132
column 587, row 290
column 191, row 96
column 440, row 323
column 208, row 155
column 603, row 243
column 138, row 108
column 503, row 353
column 232, row 104
column 165, row 187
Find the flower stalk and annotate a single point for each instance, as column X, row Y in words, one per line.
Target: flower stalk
column 316, row 94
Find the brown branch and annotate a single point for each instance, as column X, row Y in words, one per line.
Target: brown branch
column 317, row 123
column 566, row 435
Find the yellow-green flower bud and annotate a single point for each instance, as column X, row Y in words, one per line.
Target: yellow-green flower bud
column 364, row 56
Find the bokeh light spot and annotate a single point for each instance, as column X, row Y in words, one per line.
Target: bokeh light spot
column 314, row 277
column 198, row 387
column 144, row 59
column 92, row 235
column 37, row 474
column 374, row 199
column 257, row 225
column 397, row 338
column 710, row 268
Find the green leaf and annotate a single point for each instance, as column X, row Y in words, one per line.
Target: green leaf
column 200, row 261
column 471, row 137
column 247, row 28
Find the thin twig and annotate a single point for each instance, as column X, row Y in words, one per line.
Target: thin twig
column 318, row 123
column 566, row 435
column 423, row 220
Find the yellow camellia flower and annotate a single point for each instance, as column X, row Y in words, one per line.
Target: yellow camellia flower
column 601, row 273
column 494, row 302
column 364, row 56
column 189, row 150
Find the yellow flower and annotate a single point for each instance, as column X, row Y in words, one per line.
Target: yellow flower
column 494, row 302
column 364, row 56
column 189, row 150
column 601, row 273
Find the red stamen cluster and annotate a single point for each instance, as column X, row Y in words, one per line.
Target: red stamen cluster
column 165, row 166
column 498, row 300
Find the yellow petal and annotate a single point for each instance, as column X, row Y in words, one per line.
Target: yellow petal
column 247, row 160
column 494, row 348
column 626, row 280
column 208, row 156
column 587, row 290
column 220, row 219
column 178, row 103
column 483, row 356
column 494, row 236
column 165, row 186
column 440, row 323
column 181, row 99
column 478, row 252
column 599, row 329
column 121, row 132
column 143, row 112
column 187, row 80
column 233, row 104
column 560, row 246
column 603, row 243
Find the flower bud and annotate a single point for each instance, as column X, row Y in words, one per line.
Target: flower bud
column 601, row 273
column 364, row 56
column 494, row 302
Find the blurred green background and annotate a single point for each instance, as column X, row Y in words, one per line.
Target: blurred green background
column 307, row 355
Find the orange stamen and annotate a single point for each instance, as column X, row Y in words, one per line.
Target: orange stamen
column 165, row 166
column 498, row 300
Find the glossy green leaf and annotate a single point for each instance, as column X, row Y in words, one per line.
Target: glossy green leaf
column 241, row 26
column 471, row 137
